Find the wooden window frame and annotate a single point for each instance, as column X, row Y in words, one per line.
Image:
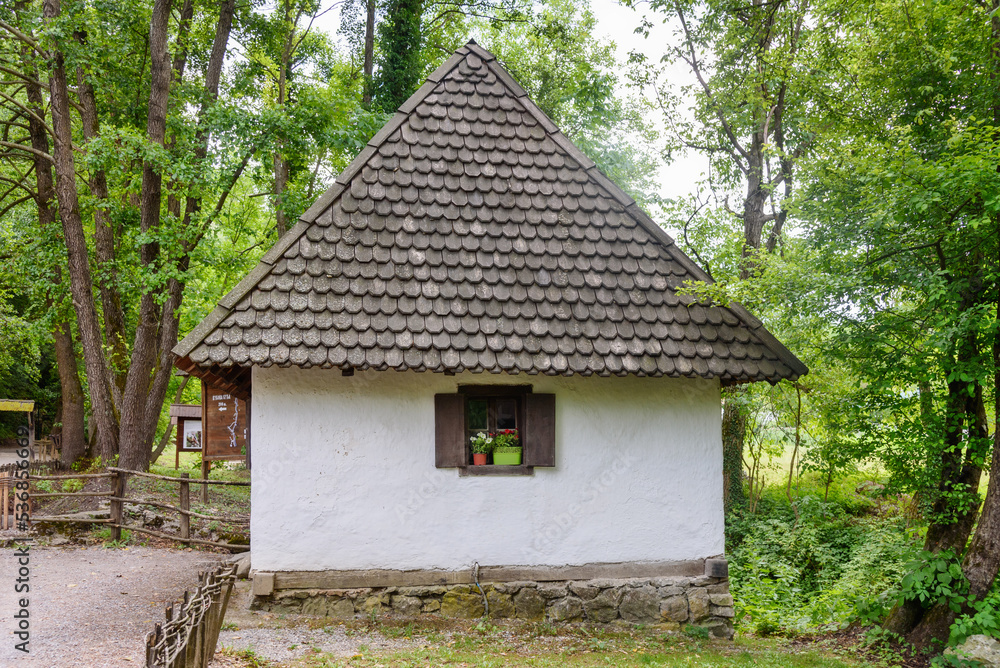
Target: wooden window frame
column 536, row 419
column 517, row 392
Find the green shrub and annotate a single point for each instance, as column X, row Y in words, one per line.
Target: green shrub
column 805, row 567
column 985, row 619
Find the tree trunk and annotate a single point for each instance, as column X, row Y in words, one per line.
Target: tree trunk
column 178, row 67
column 169, row 318
column 74, row 441
column 280, row 184
column 280, row 164
column 734, row 427
column 162, row 445
column 71, row 391
column 933, row 626
column 104, row 246
column 982, row 561
column 135, row 441
column 76, row 249
column 957, row 476
column 981, row 564
column 366, row 98
column 734, row 415
column 958, row 485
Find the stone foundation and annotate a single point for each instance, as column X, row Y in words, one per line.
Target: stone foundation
column 667, row 602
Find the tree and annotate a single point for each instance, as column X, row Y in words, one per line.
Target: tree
column 904, row 208
column 126, row 392
column 400, row 64
column 25, row 112
column 154, row 156
column 357, row 24
column 310, row 117
column 753, row 90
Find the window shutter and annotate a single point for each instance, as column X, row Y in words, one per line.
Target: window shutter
column 540, row 429
column 449, row 431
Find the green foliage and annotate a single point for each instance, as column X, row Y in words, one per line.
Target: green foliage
column 72, row 485
column 935, row 578
column 482, row 443
column 400, row 63
column 104, row 536
column 27, row 361
column 953, row 661
column 902, row 213
column 805, row 566
column 506, row 440
column 983, row 618
column 696, row 632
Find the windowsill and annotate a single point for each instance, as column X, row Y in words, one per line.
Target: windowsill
column 493, row 469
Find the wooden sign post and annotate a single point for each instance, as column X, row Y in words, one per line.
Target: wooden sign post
column 225, row 429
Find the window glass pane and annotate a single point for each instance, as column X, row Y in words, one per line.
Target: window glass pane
column 506, row 413
column 476, row 417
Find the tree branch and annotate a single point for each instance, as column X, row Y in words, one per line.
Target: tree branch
column 696, row 70
column 28, row 149
column 28, row 111
column 20, row 200
column 27, row 39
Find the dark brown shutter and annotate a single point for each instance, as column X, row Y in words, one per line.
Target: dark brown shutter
column 449, row 431
column 540, row 429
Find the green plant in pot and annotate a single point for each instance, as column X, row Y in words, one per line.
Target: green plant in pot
column 507, row 448
column 482, row 444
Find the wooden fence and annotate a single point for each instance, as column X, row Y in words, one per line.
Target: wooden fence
column 118, row 496
column 8, row 479
column 47, row 449
column 188, row 637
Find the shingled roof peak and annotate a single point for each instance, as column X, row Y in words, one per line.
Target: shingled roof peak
column 471, row 234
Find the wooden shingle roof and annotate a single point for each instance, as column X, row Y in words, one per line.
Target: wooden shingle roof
column 472, row 235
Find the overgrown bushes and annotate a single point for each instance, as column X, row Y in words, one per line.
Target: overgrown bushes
column 811, row 565
column 805, row 565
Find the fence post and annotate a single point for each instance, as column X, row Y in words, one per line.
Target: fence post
column 206, row 468
column 118, row 507
column 3, row 499
column 185, row 505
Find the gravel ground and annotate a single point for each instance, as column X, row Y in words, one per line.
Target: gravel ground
column 286, row 637
column 285, row 644
column 92, row 607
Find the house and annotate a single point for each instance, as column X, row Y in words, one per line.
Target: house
column 472, row 270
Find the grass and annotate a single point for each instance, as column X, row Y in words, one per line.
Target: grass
column 225, row 498
column 226, row 501
column 486, row 645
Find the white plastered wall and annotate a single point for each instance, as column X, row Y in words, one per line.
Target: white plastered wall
column 344, row 476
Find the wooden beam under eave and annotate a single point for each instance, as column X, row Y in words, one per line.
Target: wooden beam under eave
column 235, row 379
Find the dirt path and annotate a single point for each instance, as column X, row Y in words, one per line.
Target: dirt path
column 92, row 607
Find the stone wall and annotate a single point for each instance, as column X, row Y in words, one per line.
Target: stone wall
column 667, row 602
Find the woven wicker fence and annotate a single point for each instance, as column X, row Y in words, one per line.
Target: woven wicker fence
column 188, row 638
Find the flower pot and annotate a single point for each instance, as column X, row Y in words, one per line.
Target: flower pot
column 511, row 458
column 479, row 459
